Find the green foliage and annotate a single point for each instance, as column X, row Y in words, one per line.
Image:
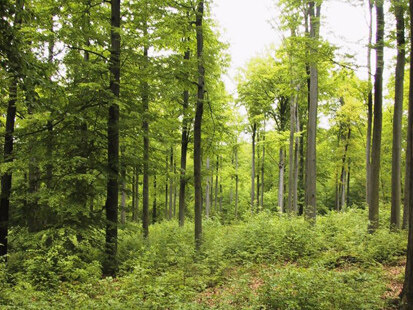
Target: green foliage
column 318, row 288
column 269, row 261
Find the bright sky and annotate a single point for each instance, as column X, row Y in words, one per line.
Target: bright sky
column 247, row 26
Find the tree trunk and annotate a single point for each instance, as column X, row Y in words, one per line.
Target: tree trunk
column 377, row 123
column 291, row 161
column 166, row 187
column 6, row 178
column 123, row 198
column 145, row 127
column 236, row 182
column 397, row 117
column 254, row 130
column 135, row 194
column 110, row 265
column 174, row 188
column 216, row 185
column 154, row 211
column 369, row 104
column 281, row 169
column 311, row 176
column 49, row 145
column 184, row 150
column 262, row 168
column 296, row 162
column 171, row 183
column 198, row 124
column 348, row 185
column 407, row 292
column 207, row 190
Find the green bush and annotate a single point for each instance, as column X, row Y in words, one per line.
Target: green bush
column 316, row 288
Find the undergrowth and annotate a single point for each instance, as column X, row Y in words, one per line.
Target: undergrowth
column 270, row 261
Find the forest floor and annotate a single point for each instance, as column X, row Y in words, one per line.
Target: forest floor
column 264, row 262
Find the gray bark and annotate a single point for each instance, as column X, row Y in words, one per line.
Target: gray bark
column 397, row 117
column 377, row 122
column 311, row 174
column 198, row 124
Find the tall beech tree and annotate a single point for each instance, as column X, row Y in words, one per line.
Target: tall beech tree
column 378, row 120
column 198, row 123
column 6, row 178
column 397, row 116
column 111, row 207
column 311, row 177
column 407, row 292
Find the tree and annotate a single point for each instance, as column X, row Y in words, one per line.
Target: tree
column 377, row 122
column 6, row 178
column 407, row 292
column 397, row 120
column 310, row 182
column 198, row 123
column 111, row 207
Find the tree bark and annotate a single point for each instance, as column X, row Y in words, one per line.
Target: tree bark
column 281, row 170
column 262, row 169
column 171, row 183
column 407, row 292
column 311, row 174
column 146, row 142
column 123, row 197
column 110, row 266
column 6, row 179
column 216, row 185
column 254, row 130
column 369, row 104
column 236, row 182
column 198, row 124
column 184, row 150
column 377, row 122
column 207, row 190
column 397, row 117
column 291, row 161
column 154, row 211
column 296, row 163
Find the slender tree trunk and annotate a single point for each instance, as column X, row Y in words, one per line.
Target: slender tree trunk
column 397, row 117
column 348, row 184
column 407, row 292
column 184, row 150
column 166, row 187
column 258, row 190
column 236, row 182
column 281, row 170
column 207, row 190
column 134, row 195
column 216, row 184
column 291, row 161
column 198, row 124
column 174, row 178
column 369, row 104
column 154, row 211
column 220, row 197
column 49, row 145
column 6, row 179
column 377, row 123
column 171, row 183
column 254, row 130
column 296, row 162
column 145, row 127
column 123, row 198
column 311, row 174
column 262, row 168
column 110, row 266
